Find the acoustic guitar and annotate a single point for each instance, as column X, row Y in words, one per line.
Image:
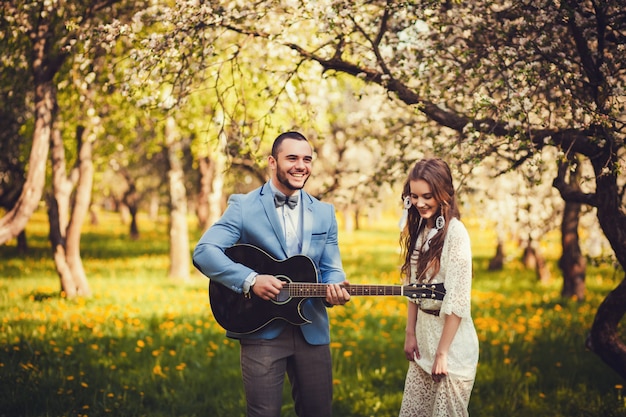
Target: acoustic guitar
column 239, row 313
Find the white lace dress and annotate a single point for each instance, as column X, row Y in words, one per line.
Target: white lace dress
column 450, row 397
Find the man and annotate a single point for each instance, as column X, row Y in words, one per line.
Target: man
column 309, row 228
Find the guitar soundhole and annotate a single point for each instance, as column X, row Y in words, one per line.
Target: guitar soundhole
column 283, row 296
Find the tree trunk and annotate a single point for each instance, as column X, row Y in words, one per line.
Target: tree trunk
column 153, row 210
column 58, row 214
column 217, row 186
column 529, row 256
column 572, row 262
column 65, row 231
column 130, row 200
column 14, row 221
column 22, row 243
column 604, row 337
column 203, row 210
column 542, row 270
column 348, row 220
column 179, row 234
column 80, row 209
column 533, row 259
column 497, row 262
column 93, row 214
column 68, row 289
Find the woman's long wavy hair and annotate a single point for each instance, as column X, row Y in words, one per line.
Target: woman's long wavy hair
column 438, row 176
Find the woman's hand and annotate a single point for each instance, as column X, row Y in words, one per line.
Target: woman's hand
column 440, row 367
column 411, row 351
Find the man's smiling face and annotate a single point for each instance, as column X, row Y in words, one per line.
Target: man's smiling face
column 292, row 166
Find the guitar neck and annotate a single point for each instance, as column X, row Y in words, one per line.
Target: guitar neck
column 297, row 289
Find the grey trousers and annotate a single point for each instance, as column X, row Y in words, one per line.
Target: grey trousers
column 309, row 368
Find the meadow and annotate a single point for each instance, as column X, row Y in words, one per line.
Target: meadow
column 143, row 345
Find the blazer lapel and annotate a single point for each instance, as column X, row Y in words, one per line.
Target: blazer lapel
column 307, row 221
column 267, row 199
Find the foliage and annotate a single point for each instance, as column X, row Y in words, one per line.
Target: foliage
column 144, row 346
column 497, row 79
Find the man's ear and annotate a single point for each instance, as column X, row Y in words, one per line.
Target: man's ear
column 271, row 162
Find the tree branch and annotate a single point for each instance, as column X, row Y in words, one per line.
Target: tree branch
column 571, row 192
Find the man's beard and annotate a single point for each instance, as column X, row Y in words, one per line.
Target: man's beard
column 284, row 181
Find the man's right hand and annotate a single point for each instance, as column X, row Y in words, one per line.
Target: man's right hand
column 267, row 286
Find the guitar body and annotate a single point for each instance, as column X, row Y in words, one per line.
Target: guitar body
column 243, row 314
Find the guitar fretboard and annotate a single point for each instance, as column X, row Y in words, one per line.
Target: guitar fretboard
column 319, row 290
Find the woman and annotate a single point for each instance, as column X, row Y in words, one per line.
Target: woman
column 441, row 342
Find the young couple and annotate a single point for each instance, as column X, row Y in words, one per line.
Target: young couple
column 284, row 220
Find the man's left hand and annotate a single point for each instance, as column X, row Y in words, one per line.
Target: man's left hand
column 336, row 294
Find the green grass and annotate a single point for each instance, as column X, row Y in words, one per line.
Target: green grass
column 145, row 346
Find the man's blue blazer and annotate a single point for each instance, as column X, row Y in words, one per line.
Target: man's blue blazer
column 252, row 219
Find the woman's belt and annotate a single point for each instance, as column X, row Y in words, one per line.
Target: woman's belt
column 431, row 312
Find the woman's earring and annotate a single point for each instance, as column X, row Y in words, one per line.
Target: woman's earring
column 405, row 212
column 440, row 222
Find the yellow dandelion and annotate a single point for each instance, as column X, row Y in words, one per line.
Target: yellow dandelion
column 347, row 353
column 157, row 370
column 84, row 384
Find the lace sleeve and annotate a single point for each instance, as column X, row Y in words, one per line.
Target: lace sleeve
column 456, row 263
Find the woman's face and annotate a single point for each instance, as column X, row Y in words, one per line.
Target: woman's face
column 424, row 200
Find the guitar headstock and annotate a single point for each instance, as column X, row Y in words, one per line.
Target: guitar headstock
column 425, row 291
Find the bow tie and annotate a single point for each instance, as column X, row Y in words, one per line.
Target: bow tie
column 281, row 200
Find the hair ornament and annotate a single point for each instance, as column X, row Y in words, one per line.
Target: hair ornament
column 440, row 222
column 405, row 212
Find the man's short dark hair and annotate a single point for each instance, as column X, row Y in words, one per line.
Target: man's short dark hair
column 287, row 135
